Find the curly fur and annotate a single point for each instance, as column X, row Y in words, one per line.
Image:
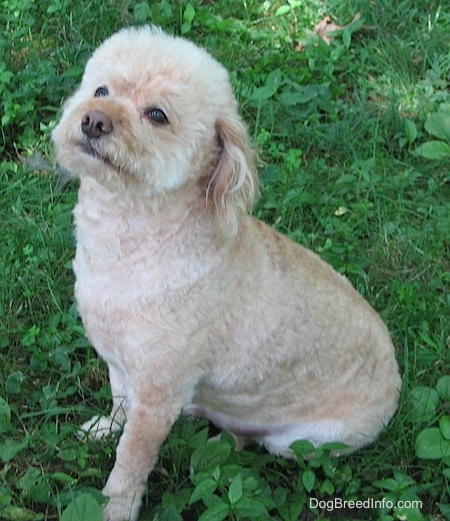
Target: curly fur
column 194, row 305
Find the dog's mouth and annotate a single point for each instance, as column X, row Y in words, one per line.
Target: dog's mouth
column 88, row 149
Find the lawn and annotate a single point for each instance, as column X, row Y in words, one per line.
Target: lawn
column 353, row 133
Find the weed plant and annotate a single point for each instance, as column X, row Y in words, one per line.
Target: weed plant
column 354, row 145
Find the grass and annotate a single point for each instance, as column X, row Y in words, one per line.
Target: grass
column 339, row 129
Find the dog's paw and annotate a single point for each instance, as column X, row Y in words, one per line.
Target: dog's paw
column 98, row 427
column 124, row 507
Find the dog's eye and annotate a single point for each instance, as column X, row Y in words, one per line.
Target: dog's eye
column 101, row 92
column 157, row 116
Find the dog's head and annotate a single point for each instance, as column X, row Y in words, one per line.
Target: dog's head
column 155, row 113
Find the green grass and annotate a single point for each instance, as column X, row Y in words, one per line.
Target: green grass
column 339, row 130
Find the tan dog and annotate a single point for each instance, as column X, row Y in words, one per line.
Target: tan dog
column 194, row 305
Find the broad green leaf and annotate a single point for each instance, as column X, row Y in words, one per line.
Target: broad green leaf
column 387, row 484
column 438, row 124
column 347, row 37
column 215, row 513
column 283, row 9
column 10, row 448
column 62, row 476
column 83, row 508
column 5, row 416
column 170, row 514
column 13, row 383
column 410, row 131
column 189, row 13
column 265, row 92
column 408, row 511
column 445, row 509
column 30, row 336
column 444, row 426
column 280, row 496
column 203, row 489
column 249, row 508
column 431, row 444
column 301, row 95
column 291, row 510
column 235, row 490
column 262, row 93
column 433, row 150
column 141, row 12
column 14, row 513
column 210, row 456
column 185, row 27
column 443, row 388
column 308, row 479
column 334, row 447
column 327, row 487
column 178, row 499
column 302, row 448
column 422, row 402
column 29, row 479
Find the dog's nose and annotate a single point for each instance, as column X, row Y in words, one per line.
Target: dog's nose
column 96, row 123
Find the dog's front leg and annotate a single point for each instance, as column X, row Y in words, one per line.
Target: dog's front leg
column 100, row 426
column 148, row 424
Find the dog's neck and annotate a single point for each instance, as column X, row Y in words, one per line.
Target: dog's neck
column 116, row 232
column 159, row 211
column 120, row 222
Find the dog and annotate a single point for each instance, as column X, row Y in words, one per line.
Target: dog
column 195, row 306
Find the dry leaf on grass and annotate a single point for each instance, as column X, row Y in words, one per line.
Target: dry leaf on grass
column 327, row 26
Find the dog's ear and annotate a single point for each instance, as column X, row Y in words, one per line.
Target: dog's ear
column 233, row 186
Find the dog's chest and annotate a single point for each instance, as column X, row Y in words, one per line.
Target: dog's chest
column 114, row 267
column 134, row 278
column 133, row 288
column 121, row 258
